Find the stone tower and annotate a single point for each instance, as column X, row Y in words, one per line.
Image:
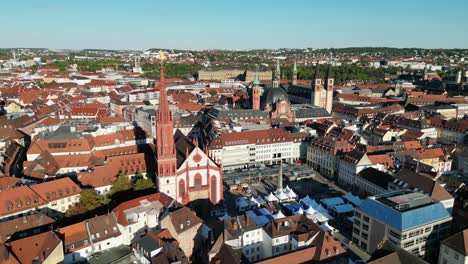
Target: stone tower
column 165, row 148
column 256, row 93
column 277, row 77
column 330, row 82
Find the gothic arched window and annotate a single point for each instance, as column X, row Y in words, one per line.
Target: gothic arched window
column 197, row 181
column 181, row 188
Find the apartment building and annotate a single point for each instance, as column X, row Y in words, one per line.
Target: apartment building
column 323, row 152
column 137, row 216
column 59, row 195
column 350, row 165
column 279, row 237
column 253, row 148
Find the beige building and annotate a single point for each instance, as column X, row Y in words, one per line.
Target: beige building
column 263, row 75
column 185, row 227
column 454, row 250
column 218, row 75
column 233, row 73
column 59, row 195
column 322, row 154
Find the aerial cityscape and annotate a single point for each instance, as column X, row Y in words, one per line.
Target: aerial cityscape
column 271, row 132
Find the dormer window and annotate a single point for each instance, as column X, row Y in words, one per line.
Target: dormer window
column 20, row 204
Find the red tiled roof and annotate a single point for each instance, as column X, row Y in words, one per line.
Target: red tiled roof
column 107, row 174
column 35, row 248
column 74, row 233
column 383, row 159
column 259, row 137
column 19, row 199
column 57, row 189
column 119, row 210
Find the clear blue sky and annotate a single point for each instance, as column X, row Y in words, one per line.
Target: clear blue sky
column 238, row 24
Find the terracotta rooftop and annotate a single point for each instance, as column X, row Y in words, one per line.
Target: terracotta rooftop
column 35, row 248
column 19, row 199
column 56, row 189
column 26, row 222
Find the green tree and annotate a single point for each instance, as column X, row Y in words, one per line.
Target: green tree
column 90, row 200
column 121, row 184
column 143, row 184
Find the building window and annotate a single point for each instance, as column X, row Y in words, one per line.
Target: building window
column 408, row 244
column 197, row 180
column 181, row 188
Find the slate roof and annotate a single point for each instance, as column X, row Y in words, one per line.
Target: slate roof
column 376, row 177
column 389, row 253
column 426, row 184
column 458, row 242
column 404, row 220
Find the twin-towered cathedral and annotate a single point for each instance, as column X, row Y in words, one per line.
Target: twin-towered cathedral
column 277, row 99
column 184, row 170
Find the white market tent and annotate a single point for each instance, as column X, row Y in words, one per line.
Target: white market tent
column 271, row 198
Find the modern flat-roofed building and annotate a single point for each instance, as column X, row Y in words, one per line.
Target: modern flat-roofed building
column 411, row 220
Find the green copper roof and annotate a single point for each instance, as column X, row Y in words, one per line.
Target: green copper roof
column 294, row 67
column 256, row 81
column 277, row 66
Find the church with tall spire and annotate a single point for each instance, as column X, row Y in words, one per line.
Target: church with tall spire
column 185, row 172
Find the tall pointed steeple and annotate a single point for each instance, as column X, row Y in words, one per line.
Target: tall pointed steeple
column 317, row 79
column 329, row 72
column 317, row 71
column 294, row 74
column 165, row 148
